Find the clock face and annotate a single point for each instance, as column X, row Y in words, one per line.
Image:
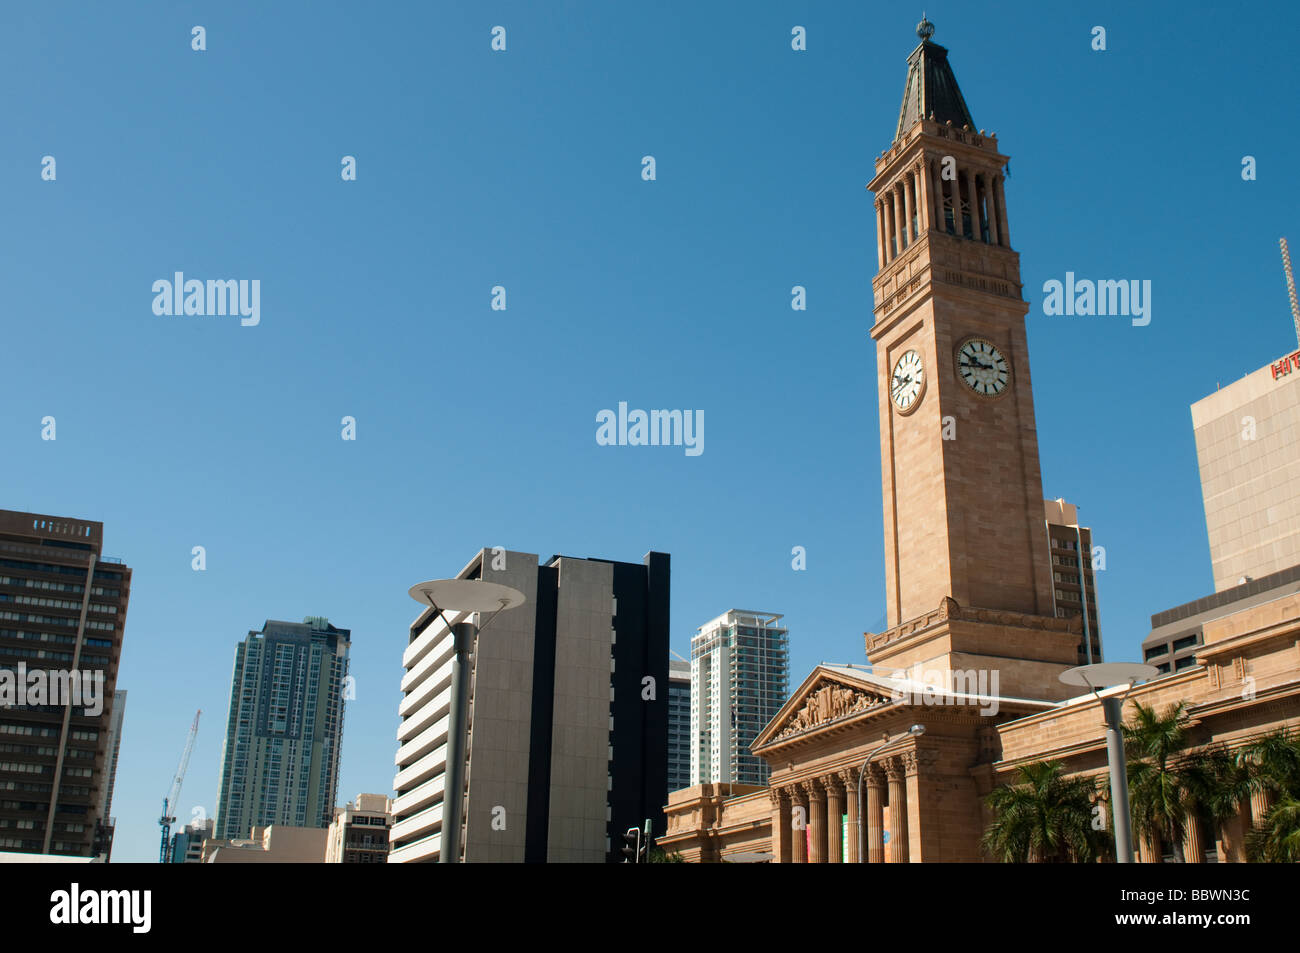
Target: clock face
column 982, row 367
column 908, row 381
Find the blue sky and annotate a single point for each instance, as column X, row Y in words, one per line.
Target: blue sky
column 522, row 169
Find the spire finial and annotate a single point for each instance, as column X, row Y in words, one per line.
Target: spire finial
column 924, row 29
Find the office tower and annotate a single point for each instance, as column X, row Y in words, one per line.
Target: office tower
column 280, row 765
column 110, row 773
column 568, row 723
column 62, row 611
column 740, row 675
column 187, row 844
column 359, row 833
column 1073, row 580
column 679, row 725
column 1248, row 450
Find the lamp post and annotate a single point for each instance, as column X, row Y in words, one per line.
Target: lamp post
column 468, row 596
column 1105, row 675
column 915, row 731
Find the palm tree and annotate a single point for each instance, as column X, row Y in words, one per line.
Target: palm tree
column 1161, row 788
column 1046, row 817
column 1274, row 762
column 1220, row 783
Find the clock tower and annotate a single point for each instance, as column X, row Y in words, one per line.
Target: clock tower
column 966, row 548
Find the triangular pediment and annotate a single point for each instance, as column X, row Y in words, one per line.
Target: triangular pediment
column 827, row 696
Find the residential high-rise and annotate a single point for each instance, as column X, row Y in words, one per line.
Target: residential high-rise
column 740, row 675
column 359, row 833
column 1248, row 450
column 679, row 725
column 1073, row 578
column 280, row 764
column 568, row 720
column 62, row 611
column 110, row 772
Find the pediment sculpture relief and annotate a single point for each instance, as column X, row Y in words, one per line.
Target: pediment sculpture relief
column 829, row 703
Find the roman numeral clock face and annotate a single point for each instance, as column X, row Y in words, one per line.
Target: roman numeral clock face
column 908, row 382
column 982, row 367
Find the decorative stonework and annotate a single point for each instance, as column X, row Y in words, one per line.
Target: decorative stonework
column 948, row 610
column 830, row 703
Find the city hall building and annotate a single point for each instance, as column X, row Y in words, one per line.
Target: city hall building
column 979, row 625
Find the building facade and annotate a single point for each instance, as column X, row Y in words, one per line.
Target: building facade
column 1248, row 450
column 1074, row 582
column 62, row 611
column 359, row 833
column 187, row 844
column 740, row 674
column 568, row 724
column 280, row 763
column 679, row 725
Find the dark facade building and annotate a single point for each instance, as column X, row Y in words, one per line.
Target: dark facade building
column 568, row 723
column 62, row 619
column 285, row 729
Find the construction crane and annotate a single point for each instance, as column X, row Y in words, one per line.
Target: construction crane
column 174, row 795
column 1290, row 287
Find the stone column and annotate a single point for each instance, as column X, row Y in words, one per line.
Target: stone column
column 880, row 234
column 896, row 245
column 816, row 820
column 973, row 202
column 1002, row 210
column 875, row 820
column 991, row 204
column 781, row 853
column 849, row 779
column 834, row 826
column 897, row 811
column 936, row 204
column 798, row 825
column 1193, row 846
column 907, row 209
column 1260, row 802
column 922, row 200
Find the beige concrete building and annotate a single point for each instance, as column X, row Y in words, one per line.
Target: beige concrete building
column 1074, row 579
column 566, row 749
column 1248, row 449
column 359, row 832
column 270, row 845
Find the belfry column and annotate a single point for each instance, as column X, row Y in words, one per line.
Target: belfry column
column 816, row 821
column 922, row 198
column 1002, row 210
column 849, row 779
column 991, row 204
column 798, row 825
column 889, row 229
column 907, row 209
column 834, row 827
column 897, row 811
column 880, row 234
column 896, row 247
column 973, row 202
column 936, row 177
column 780, row 825
column 875, row 815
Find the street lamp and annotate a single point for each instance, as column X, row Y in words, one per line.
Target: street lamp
column 915, row 731
column 460, row 596
column 1105, row 675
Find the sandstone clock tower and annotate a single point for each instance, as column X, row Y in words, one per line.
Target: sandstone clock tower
column 966, row 549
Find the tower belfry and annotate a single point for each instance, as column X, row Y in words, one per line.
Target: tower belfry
column 965, row 537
